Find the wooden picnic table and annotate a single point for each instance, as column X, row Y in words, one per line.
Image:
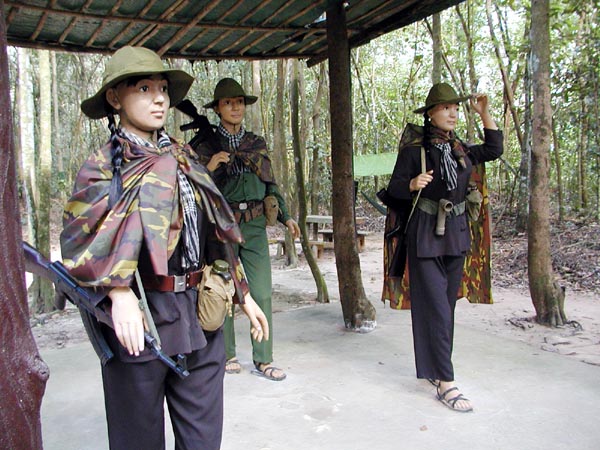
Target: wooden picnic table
column 316, row 222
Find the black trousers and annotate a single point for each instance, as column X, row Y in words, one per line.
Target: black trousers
column 434, row 285
column 134, row 395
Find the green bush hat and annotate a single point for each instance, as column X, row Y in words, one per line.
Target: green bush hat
column 229, row 88
column 130, row 62
column 438, row 94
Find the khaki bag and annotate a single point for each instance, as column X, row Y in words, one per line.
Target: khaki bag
column 215, row 296
column 271, row 207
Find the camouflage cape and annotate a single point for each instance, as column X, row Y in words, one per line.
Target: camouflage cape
column 476, row 284
column 252, row 152
column 101, row 246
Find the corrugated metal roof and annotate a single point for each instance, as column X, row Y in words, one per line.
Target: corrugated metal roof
column 204, row 29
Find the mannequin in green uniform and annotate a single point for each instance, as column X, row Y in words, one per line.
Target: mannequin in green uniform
column 241, row 168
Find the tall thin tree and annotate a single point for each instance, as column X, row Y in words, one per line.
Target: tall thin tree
column 299, row 156
column 547, row 296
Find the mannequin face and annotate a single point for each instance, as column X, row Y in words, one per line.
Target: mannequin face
column 231, row 111
column 444, row 116
column 142, row 104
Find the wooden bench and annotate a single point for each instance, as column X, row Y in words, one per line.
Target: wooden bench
column 317, row 247
column 360, row 237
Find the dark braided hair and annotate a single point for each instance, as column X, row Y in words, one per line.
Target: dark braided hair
column 426, row 124
column 116, row 151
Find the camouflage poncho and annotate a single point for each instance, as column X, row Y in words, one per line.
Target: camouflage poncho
column 101, row 246
column 252, row 153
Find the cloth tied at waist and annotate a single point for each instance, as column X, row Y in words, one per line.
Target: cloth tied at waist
column 431, row 207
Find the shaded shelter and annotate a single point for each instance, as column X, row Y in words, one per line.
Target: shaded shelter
column 196, row 30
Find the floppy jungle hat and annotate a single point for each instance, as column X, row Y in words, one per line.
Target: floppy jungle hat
column 229, row 88
column 438, row 94
column 129, row 62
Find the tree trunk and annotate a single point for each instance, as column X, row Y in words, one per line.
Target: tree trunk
column 507, row 86
column 558, row 168
column 255, row 117
column 473, row 79
column 315, row 172
column 322, row 294
column 357, row 310
column 523, row 173
column 24, row 373
column 26, row 137
column 43, row 293
column 280, row 160
column 436, row 38
column 547, row 296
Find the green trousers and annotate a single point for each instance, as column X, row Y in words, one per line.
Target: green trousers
column 254, row 254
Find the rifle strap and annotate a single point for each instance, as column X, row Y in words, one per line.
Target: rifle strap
column 416, row 199
column 143, row 304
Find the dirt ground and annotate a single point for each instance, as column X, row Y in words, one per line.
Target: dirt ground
column 511, row 316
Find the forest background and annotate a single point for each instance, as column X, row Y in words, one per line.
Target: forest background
column 484, row 47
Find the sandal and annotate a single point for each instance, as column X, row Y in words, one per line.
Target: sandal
column 451, row 403
column 267, row 372
column 233, row 366
column 436, row 383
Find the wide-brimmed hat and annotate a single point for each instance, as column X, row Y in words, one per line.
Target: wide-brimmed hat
column 229, row 88
column 438, row 94
column 129, row 62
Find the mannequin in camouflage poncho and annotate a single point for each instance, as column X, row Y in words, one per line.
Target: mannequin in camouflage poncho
column 143, row 203
column 437, row 243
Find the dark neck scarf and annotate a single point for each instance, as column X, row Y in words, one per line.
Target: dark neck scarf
column 452, row 153
column 233, row 139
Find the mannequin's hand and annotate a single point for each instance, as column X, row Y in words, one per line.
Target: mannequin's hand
column 259, row 328
column 420, row 181
column 128, row 319
column 216, row 160
column 293, row 228
column 479, row 103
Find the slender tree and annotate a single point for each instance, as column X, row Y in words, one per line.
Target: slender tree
column 322, row 294
column 42, row 291
column 547, row 296
column 436, row 38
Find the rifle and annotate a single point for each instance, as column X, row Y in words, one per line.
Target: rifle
column 204, row 129
column 86, row 300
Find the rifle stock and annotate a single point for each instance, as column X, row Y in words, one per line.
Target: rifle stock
column 86, row 299
column 204, row 129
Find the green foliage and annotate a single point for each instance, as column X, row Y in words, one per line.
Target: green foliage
column 390, row 78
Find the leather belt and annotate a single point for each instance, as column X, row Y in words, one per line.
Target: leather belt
column 247, row 211
column 172, row 283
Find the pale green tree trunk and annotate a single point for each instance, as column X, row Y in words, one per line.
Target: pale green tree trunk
column 42, row 290
column 322, row 294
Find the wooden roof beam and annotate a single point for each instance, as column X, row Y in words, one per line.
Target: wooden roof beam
column 243, row 19
column 184, row 30
column 92, row 38
column 71, row 25
column 126, row 30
